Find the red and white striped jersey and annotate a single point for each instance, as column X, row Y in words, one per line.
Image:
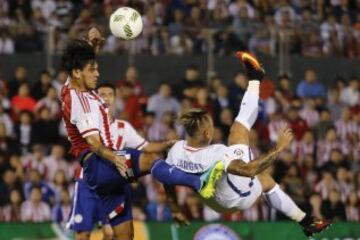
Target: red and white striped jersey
column 345, row 129
column 84, row 114
column 125, row 136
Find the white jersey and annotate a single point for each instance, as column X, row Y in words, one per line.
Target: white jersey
column 231, row 191
column 196, row 160
column 125, row 136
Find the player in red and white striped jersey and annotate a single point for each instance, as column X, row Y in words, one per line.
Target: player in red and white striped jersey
column 85, row 114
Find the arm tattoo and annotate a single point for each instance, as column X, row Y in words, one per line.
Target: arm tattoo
column 264, row 162
column 254, row 167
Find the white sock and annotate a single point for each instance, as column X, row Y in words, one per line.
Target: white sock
column 249, row 105
column 279, row 200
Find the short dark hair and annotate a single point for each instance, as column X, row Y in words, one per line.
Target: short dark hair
column 77, row 55
column 106, row 85
column 192, row 119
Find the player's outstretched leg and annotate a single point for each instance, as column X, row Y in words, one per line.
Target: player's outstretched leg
column 171, row 175
column 249, row 107
column 279, row 200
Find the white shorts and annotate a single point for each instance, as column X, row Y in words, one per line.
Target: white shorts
column 233, row 191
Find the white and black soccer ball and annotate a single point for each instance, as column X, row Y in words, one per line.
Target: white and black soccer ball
column 126, row 23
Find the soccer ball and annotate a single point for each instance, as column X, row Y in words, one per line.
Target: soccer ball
column 126, row 23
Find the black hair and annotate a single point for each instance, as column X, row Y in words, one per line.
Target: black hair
column 192, row 67
column 77, row 55
column 106, row 85
column 192, row 119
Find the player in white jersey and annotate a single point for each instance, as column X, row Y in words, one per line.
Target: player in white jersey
column 245, row 178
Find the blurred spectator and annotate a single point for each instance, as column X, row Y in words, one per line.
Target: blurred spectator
column 51, row 102
column 334, row 104
column 23, row 101
column 312, row 45
column 189, row 85
column 132, row 78
column 309, row 112
column 61, row 210
column 6, row 120
column 326, row 185
column 243, row 27
column 6, row 143
column 9, row 182
column 226, row 120
column 327, row 145
column 58, row 183
column 202, row 100
column 352, row 207
column 324, row 124
column 333, row 208
column 24, row 134
column 296, row 123
column 237, row 89
column 35, row 160
column 158, row 210
column 346, row 128
column 132, row 107
column 20, row 76
column 305, row 147
column 35, row 210
column 7, row 45
column 163, row 101
column 45, row 121
column 59, row 81
column 12, row 211
column 221, row 101
column 310, row 87
column 159, row 130
column 350, row 95
column 335, row 161
column 55, row 162
column 47, row 194
column 47, row 7
column 41, row 87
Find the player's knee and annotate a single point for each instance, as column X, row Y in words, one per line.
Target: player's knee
column 82, row 236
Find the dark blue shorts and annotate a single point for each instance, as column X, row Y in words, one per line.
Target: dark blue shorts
column 87, row 209
column 113, row 189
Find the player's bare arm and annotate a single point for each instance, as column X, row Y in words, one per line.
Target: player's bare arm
column 98, row 148
column 159, row 146
column 253, row 168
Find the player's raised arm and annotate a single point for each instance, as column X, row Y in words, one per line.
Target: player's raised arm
column 260, row 164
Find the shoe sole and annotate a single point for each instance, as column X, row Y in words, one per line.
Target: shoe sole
column 209, row 190
column 322, row 230
column 244, row 56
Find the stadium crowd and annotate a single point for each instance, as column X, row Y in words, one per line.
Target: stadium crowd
column 320, row 171
column 305, row 27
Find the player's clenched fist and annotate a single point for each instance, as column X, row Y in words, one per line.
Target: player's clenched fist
column 285, row 138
